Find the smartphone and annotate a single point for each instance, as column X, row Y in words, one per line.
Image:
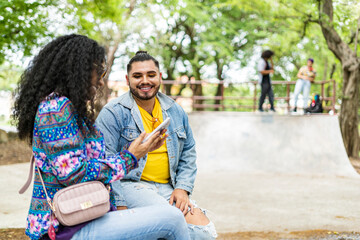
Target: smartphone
column 162, row 126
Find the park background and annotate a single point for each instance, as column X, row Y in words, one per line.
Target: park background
column 218, row 42
column 213, row 40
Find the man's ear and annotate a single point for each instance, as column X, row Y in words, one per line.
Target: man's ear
column 160, row 77
column 127, row 80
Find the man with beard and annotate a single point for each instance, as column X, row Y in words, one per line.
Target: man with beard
column 166, row 175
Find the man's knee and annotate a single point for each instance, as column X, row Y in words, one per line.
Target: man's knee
column 198, row 218
column 200, row 227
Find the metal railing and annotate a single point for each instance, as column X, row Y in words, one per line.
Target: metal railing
column 198, row 101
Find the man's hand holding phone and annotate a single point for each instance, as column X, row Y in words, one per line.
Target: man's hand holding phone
column 149, row 142
column 161, row 127
column 139, row 148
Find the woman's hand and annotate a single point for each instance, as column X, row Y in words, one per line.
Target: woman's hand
column 139, row 149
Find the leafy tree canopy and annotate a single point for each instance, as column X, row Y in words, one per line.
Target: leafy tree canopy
column 22, row 23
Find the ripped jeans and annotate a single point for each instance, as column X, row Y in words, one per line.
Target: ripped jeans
column 143, row 193
column 136, row 224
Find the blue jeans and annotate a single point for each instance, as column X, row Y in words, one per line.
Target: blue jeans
column 143, row 193
column 304, row 86
column 155, row 222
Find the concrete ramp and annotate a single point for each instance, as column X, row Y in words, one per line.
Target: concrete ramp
column 262, row 172
column 254, row 143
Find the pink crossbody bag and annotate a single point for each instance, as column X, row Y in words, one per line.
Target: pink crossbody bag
column 78, row 203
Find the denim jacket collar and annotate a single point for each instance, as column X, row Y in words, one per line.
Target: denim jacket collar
column 128, row 101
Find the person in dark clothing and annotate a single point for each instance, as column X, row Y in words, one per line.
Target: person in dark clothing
column 265, row 69
column 315, row 106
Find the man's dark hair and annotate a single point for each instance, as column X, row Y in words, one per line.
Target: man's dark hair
column 141, row 56
column 64, row 66
column 267, row 54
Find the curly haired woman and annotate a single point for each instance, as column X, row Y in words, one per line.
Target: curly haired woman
column 54, row 110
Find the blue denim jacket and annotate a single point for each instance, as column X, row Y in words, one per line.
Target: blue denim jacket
column 120, row 122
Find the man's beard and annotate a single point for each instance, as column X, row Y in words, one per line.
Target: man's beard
column 146, row 97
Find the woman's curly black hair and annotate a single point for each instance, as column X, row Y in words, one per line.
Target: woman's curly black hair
column 64, row 66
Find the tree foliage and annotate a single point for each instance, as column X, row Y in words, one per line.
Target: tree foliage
column 22, row 23
column 206, row 39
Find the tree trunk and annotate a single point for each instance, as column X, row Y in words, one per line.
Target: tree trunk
column 349, row 112
column 111, row 49
column 351, row 73
column 328, row 88
column 197, row 89
column 105, row 91
column 170, row 76
column 219, row 92
column 220, row 86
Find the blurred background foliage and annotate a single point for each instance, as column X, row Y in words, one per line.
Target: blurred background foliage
column 205, row 39
column 213, row 39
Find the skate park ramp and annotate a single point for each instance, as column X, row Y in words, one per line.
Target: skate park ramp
column 268, row 172
column 246, row 142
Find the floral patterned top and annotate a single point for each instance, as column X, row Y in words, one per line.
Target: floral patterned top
column 67, row 155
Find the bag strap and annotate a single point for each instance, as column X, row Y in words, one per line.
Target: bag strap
column 27, row 184
column 47, row 196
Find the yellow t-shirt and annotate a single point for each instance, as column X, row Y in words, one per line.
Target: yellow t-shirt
column 157, row 164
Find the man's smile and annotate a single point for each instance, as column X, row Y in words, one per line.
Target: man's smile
column 145, row 88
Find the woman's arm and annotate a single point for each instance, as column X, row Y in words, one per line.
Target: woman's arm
column 71, row 154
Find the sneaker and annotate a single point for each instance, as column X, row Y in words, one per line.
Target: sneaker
column 261, row 110
column 272, row 109
column 295, row 109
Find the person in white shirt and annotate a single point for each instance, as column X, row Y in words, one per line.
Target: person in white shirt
column 265, row 69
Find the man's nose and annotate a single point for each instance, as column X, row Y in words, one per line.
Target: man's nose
column 145, row 79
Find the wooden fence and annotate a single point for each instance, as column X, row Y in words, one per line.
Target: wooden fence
column 220, row 101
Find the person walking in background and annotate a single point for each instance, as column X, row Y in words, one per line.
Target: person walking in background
column 265, row 69
column 54, row 110
column 306, row 76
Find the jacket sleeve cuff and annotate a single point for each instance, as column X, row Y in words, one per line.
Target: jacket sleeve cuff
column 184, row 186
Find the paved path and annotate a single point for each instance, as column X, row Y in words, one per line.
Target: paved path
column 13, row 206
column 256, row 173
column 276, row 202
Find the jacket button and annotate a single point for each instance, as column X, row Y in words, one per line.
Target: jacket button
column 138, row 174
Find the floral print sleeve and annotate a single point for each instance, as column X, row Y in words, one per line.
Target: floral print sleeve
column 71, row 153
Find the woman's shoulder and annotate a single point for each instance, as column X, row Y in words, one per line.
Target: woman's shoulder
column 54, row 109
column 53, row 103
